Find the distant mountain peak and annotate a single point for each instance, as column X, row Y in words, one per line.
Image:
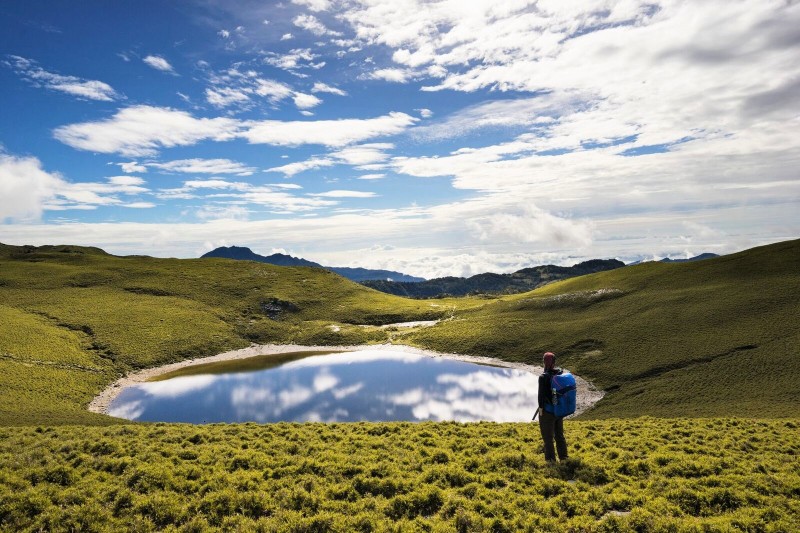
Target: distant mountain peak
column 353, row 274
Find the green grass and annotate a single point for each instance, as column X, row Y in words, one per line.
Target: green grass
column 633, row 475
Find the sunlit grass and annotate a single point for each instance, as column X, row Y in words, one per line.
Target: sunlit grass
column 634, row 475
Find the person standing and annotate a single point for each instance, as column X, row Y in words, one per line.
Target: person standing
column 551, row 426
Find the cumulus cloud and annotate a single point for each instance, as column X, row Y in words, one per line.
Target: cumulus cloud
column 88, row 89
column 159, row 63
column 306, row 101
column 25, row 186
column 131, row 167
column 396, row 75
column 533, row 225
column 27, row 190
column 320, row 87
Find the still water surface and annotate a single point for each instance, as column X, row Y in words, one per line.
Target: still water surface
column 374, row 385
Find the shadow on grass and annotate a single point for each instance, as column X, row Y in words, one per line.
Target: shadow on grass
column 575, row 469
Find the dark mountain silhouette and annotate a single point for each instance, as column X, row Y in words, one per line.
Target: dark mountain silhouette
column 690, row 259
column 354, row 274
column 523, row 280
column 700, row 257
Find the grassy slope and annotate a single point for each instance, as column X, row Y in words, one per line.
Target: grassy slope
column 716, row 337
column 624, row 475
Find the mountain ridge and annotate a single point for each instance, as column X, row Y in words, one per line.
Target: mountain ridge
column 356, row 274
column 526, row 279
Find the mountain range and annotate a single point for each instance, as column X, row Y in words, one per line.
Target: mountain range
column 353, row 274
column 523, row 280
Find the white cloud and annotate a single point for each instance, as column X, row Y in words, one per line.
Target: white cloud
column 139, row 205
column 228, row 212
column 396, row 75
column 24, row 187
column 312, row 24
column 306, row 101
column 320, row 87
column 360, row 155
column 287, row 36
column 143, row 130
column 314, row 5
column 131, row 167
column 159, row 63
column 372, row 176
column 531, row 224
column 295, row 168
column 520, row 113
column 297, row 58
column 425, row 112
column 89, row 89
column 333, row 133
column 225, row 96
column 345, row 194
column 205, row 166
column 363, row 154
column 26, row 190
column 274, row 91
column 224, row 34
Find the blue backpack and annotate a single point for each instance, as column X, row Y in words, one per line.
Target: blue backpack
column 564, row 395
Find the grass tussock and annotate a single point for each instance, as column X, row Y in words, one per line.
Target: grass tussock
column 633, row 475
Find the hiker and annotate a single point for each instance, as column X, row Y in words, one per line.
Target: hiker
column 551, row 426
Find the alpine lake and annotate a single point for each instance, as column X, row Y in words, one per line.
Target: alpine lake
column 363, row 385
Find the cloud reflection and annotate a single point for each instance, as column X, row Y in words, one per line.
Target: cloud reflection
column 348, row 386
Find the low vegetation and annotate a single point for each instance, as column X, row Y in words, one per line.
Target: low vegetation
column 624, row 475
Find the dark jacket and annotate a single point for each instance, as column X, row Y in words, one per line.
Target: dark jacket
column 545, row 390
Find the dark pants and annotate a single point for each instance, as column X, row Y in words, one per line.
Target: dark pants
column 553, row 428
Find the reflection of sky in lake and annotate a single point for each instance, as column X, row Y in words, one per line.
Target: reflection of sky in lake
column 342, row 387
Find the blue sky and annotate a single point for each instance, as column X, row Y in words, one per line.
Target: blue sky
column 432, row 137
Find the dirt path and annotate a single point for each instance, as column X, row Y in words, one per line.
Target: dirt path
column 588, row 395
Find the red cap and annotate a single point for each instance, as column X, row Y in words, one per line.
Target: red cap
column 549, row 360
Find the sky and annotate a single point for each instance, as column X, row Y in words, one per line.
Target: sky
column 428, row 137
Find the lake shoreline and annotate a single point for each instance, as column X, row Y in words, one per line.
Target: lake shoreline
column 588, row 395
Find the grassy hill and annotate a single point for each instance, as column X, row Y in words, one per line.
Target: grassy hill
column 716, row 337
